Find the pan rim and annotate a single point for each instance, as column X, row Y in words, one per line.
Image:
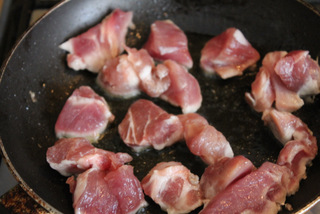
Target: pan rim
column 46, row 205
column 23, row 36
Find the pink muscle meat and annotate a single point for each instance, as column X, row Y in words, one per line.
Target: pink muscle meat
column 91, row 49
column 154, row 80
column 147, row 125
column 283, row 80
column 85, row 114
column 115, row 192
column 300, row 146
column 223, row 173
column 203, row 139
column 118, row 78
column 284, row 125
column 210, row 145
column 128, row 74
column 228, row 54
column 184, row 90
column 75, row 155
column 296, row 156
column 173, row 187
column 262, row 93
column 192, row 123
column 168, row 41
column 299, row 73
column 261, row 191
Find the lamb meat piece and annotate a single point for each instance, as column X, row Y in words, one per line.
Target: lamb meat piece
column 91, row 49
column 284, row 125
column 267, row 88
column 119, row 78
column 192, row 121
column 296, row 155
column 173, row 187
column 299, row 72
column 203, row 139
column 284, row 79
column 228, row 54
column 154, row 80
column 75, row 155
column 168, row 41
column 285, row 99
column 262, row 95
column 300, row 146
column 114, row 192
column 223, row 173
column 128, row 74
column 85, row 114
column 147, row 125
column 184, row 90
column 261, row 191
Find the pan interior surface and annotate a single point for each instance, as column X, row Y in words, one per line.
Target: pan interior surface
column 36, row 82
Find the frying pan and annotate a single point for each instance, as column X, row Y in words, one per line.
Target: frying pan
column 35, row 83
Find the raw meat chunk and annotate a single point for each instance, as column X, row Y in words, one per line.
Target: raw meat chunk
column 283, row 79
column 285, row 100
column 85, row 114
column 75, row 155
column 261, row 191
column 203, row 139
column 129, row 73
column 118, row 78
column 284, row 125
column 300, row 146
column 192, row 123
column 228, row 54
column 296, row 156
column 91, row 49
column 125, row 75
column 262, row 93
column 147, row 125
column 224, row 172
column 154, row 80
column 184, row 90
column 299, row 73
column 210, row 144
column 173, row 187
column 168, row 41
column 114, row 192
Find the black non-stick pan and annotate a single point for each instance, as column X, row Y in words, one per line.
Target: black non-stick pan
column 35, row 83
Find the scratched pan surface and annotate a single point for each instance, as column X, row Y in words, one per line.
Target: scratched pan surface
column 37, row 66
